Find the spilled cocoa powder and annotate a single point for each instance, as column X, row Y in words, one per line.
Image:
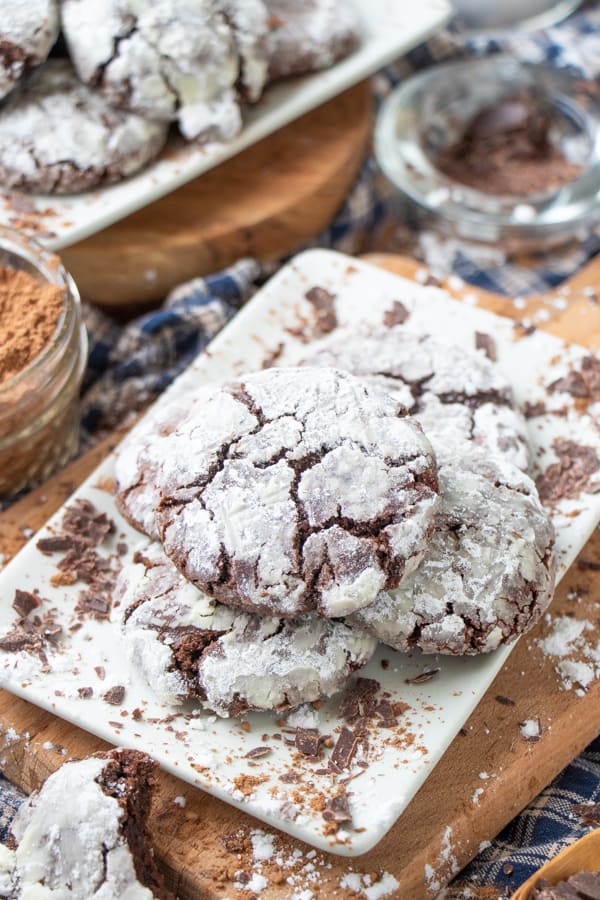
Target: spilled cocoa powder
column 29, row 314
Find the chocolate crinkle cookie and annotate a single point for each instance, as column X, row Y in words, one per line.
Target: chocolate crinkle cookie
column 189, row 647
column 185, row 61
column 57, row 135
column 310, row 35
column 488, row 573
column 83, row 834
column 28, row 29
column 292, row 490
column 582, row 886
column 455, row 394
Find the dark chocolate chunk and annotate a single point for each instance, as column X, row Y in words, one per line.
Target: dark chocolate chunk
column 505, row 701
column 589, row 813
column 423, row 677
column 258, row 752
column 337, row 809
column 114, row 695
column 486, row 343
column 396, row 315
column 359, row 701
column 345, row 749
column 24, row 602
column 308, row 741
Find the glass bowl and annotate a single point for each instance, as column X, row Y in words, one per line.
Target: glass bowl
column 429, row 112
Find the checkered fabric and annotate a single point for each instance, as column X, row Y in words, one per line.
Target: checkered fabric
column 130, row 365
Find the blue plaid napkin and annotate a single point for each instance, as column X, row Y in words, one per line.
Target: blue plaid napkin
column 130, row 365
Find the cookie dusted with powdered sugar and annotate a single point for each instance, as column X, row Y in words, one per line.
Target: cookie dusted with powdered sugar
column 292, row 490
column 189, row 647
column 311, row 35
column 456, row 394
column 175, row 61
column 28, row 29
column 58, row 136
column 83, row 834
column 488, row 573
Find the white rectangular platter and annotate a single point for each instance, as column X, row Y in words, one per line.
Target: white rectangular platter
column 211, row 753
column 388, row 29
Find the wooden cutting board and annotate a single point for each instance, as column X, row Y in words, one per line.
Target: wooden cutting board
column 265, row 202
column 443, row 827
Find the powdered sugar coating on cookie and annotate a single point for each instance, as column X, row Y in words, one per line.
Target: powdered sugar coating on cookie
column 488, row 573
column 75, row 848
column 310, row 35
column 172, row 60
column 295, row 489
column 456, row 394
column 189, row 647
column 57, row 135
column 28, row 29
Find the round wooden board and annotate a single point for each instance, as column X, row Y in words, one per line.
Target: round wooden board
column 265, row 202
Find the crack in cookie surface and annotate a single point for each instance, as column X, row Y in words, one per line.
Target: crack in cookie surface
column 189, row 647
column 294, row 490
column 488, row 573
column 456, row 394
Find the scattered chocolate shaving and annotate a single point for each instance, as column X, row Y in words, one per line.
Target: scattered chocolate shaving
column 272, row 356
column 24, row 602
column 114, row 695
column 589, row 564
column 359, row 701
column 337, row 810
column 396, row 315
column 96, row 605
column 385, row 713
column 55, row 544
column 137, row 714
column 486, row 343
column 505, row 701
column 308, row 742
column 584, row 384
column 589, row 813
column 508, row 868
column 323, row 303
column 571, row 475
column 345, row 749
column 100, row 672
column 289, row 777
column 258, row 752
column 85, row 692
column 533, row 410
column 423, row 677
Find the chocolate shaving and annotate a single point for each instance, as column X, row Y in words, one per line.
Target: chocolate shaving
column 100, row 672
column 337, row 809
column 385, row 712
column 24, row 602
column 85, row 692
column 486, row 343
column 533, row 410
column 290, row 777
column 571, row 475
column 323, row 303
column 583, row 384
column 308, row 742
column 114, row 695
column 423, row 677
column 257, row 752
column 54, row 544
column 359, row 701
column 345, row 749
column 505, row 701
column 396, row 315
column 589, row 813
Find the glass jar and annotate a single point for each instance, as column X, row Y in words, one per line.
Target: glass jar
column 428, row 112
column 39, row 406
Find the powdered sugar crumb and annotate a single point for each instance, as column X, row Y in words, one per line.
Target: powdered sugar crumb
column 578, row 657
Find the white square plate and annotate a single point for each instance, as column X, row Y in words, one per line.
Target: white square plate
column 209, row 752
column 388, row 29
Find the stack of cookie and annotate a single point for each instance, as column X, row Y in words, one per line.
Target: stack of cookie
column 296, row 516
column 101, row 108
